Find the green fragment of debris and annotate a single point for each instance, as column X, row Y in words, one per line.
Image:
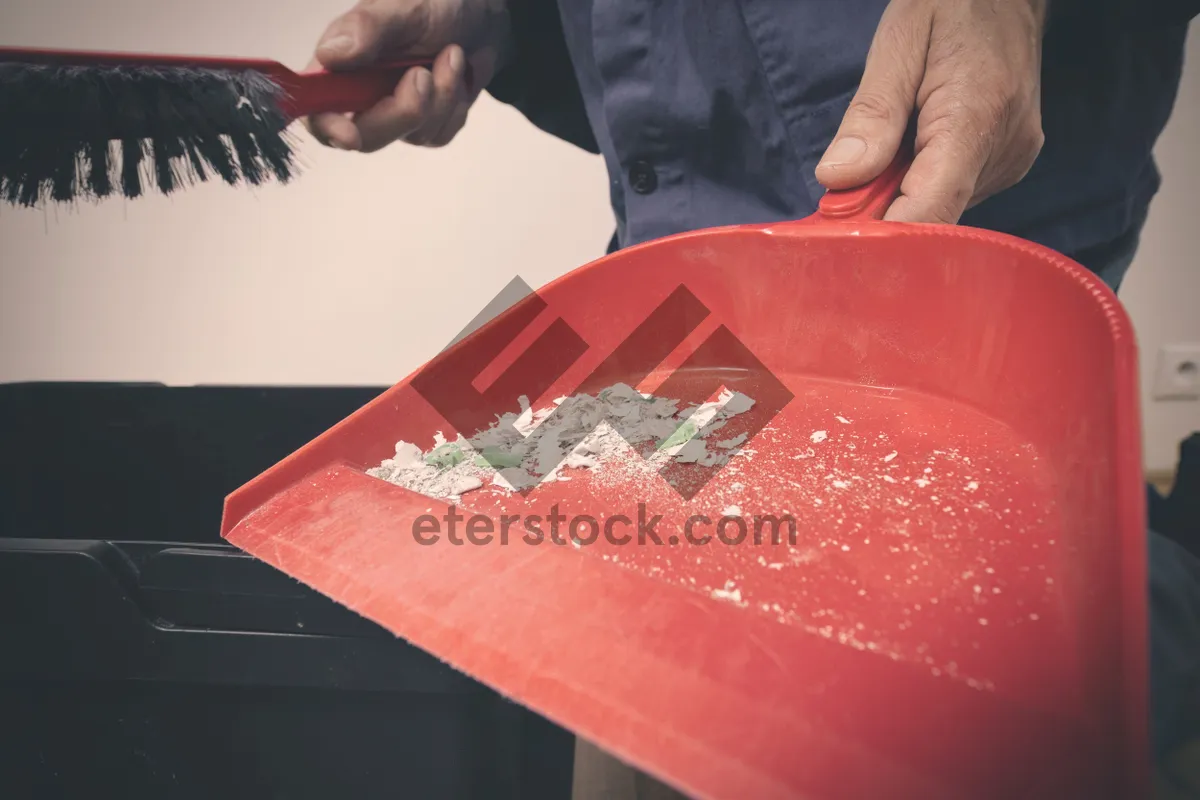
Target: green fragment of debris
column 682, row 434
column 446, row 456
column 497, row 459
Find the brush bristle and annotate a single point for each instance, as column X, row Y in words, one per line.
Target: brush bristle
column 72, row 132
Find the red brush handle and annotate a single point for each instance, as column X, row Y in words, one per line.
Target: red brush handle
column 349, row 91
column 307, row 92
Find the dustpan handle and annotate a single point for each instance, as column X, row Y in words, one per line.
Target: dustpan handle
column 868, row 202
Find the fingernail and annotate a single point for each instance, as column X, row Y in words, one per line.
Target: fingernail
column 844, row 151
column 340, row 45
column 456, row 59
column 423, row 82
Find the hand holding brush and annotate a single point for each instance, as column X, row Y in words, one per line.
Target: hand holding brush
column 429, row 107
column 97, row 124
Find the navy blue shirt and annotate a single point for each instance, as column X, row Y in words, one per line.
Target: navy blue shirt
column 716, row 112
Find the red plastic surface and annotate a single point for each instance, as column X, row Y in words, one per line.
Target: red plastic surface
column 307, row 93
column 963, row 614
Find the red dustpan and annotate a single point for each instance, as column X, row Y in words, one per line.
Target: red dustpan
column 950, row 417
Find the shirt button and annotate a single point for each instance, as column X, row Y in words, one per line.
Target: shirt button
column 642, row 177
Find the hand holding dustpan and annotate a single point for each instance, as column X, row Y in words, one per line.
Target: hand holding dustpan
column 961, row 612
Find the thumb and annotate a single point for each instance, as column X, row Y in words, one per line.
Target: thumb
column 878, row 117
column 361, row 35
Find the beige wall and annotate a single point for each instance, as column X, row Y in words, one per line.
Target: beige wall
column 368, row 265
column 1162, row 291
column 355, row 273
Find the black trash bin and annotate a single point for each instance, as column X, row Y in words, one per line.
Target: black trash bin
column 140, row 657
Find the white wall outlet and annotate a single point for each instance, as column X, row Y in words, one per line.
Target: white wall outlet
column 1177, row 375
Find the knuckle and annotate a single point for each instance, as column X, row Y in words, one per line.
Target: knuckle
column 374, row 11
column 400, row 23
column 955, row 201
column 1010, row 101
column 942, row 215
column 946, row 206
column 987, row 101
column 946, row 199
column 871, row 105
column 1028, row 149
column 358, row 20
column 1032, row 139
column 1019, row 154
column 389, row 8
column 990, row 107
column 964, row 133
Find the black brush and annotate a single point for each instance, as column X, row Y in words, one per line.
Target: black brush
column 90, row 125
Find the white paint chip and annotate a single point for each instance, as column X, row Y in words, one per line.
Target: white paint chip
column 729, row 592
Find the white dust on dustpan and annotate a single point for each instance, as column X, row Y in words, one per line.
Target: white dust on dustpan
column 529, row 447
